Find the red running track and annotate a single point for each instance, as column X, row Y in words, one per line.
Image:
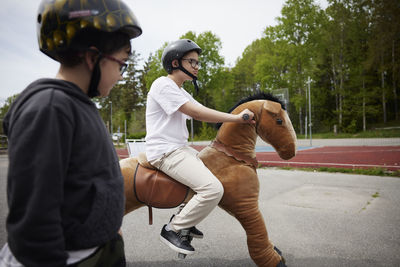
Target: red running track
column 354, row 157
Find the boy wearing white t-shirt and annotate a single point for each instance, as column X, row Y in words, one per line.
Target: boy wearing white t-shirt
column 168, row 108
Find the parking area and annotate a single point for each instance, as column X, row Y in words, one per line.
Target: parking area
column 315, row 219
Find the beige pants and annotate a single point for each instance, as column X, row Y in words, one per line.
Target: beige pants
column 184, row 166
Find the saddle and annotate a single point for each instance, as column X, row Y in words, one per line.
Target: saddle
column 155, row 189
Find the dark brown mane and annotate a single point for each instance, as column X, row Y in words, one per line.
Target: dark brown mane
column 257, row 96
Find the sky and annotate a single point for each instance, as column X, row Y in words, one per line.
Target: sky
column 236, row 22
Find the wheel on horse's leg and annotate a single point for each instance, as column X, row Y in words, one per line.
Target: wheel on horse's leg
column 181, row 255
column 185, row 235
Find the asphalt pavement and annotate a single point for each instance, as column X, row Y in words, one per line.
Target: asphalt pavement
column 315, row 219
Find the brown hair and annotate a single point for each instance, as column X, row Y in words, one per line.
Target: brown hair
column 105, row 42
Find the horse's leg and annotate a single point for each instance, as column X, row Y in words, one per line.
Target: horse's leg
column 243, row 204
column 260, row 248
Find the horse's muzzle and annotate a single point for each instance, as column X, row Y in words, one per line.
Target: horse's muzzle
column 288, row 151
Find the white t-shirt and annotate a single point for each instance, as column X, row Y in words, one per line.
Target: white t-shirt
column 166, row 128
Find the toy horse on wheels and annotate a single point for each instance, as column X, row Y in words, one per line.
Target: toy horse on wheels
column 231, row 158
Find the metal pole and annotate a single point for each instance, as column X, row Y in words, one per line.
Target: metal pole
column 309, row 108
column 306, row 116
column 305, row 127
column 125, row 129
column 111, row 128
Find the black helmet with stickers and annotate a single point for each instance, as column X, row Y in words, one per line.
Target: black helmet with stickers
column 58, row 21
column 176, row 50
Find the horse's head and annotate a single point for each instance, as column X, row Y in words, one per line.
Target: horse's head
column 273, row 125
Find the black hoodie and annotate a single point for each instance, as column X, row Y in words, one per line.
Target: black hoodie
column 64, row 187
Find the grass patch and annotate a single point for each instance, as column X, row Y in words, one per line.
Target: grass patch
column 377, row 133
column 371, row 171
column 375, row 195
column 379, row 130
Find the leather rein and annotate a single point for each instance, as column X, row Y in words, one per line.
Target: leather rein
column 232, row 153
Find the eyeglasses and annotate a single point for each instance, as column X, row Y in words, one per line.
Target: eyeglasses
column 193, row 62
column 123, row 65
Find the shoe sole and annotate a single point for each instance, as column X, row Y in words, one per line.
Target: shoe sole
column 196, row 236
column 173, row 247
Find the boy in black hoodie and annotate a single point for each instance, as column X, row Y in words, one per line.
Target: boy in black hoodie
column 64, row 187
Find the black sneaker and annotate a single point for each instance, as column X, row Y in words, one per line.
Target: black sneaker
column 196, row 233
column 176, row 241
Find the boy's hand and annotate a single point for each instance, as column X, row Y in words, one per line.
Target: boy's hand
column 247, row 116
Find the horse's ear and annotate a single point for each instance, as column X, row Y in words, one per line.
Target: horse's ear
column 272, row 106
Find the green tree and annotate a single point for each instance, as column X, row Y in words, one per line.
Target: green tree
column 298, row 28
column 358, row 107
column 384, row 50
column 4, row 109
column 245, row 82
column 154, row 67
column 271, row 65
column 353, row 63
column 125, row 100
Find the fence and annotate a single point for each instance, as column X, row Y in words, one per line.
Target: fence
column 135, row 146
column 3, row 142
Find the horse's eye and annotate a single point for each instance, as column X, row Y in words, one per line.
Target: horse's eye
column 279, row 121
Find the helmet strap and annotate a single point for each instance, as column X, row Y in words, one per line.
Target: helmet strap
column 194, row 78
column 95, row 79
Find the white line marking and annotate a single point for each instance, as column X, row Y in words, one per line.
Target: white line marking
column 330, row 164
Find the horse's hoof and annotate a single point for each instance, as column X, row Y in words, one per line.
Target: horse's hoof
column 181, row 256
column 278, row 251
column 283, row 261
